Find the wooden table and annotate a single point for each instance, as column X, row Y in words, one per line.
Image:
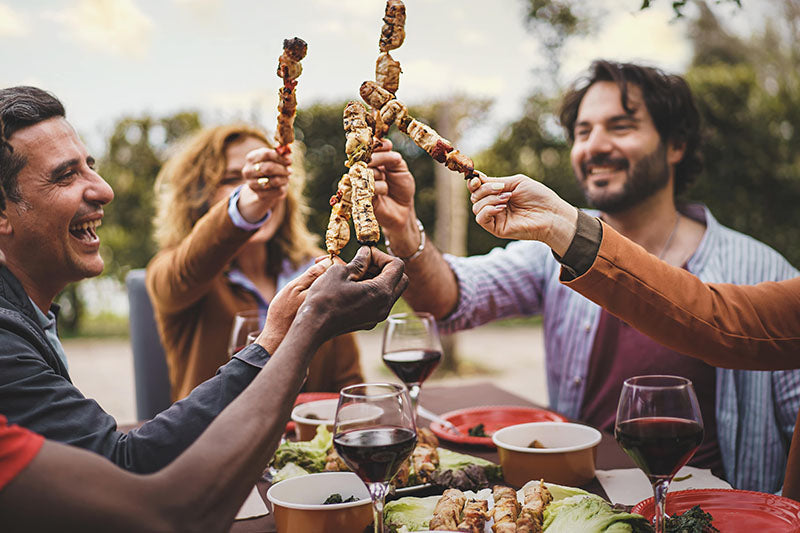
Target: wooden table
column 443, row 399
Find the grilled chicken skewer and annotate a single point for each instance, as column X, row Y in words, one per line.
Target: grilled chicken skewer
column 474, row 517
column 506, row 509
column 537, row 497
column 447, row 513
column 358, row 125
column 394, row 111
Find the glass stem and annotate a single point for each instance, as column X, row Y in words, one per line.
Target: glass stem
column 378, row 493
column 413, row 394
column 660, row 488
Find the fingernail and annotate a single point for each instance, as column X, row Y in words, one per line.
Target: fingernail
column 500, row 207
column 474, row 183
column 504, row 195
column 498, row 186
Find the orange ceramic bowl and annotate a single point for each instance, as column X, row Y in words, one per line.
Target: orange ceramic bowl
column 568, row 456
column 297, row 503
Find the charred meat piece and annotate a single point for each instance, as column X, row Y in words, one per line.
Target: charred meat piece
column 426, row 436
column 506, row 509
column 338, row 233
column 387, row 72
column 393, row 32
column 447, row 513
column 537, row 497
column 375, row 95
column 425, row 460
column 474, row 517
column 358, row 127
column 362, row 181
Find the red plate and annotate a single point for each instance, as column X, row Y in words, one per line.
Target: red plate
column 305, row 397
column 733, row 510
column 493, row 417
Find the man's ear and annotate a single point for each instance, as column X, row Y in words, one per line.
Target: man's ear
column 675, row 152
column 5, row 223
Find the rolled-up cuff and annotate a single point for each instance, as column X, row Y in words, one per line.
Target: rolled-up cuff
column 583, row 249
column 236, row 216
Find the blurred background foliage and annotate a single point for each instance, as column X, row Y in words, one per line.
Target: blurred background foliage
column 747, row 91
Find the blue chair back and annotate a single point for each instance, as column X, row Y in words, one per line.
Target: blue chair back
column 149, row 362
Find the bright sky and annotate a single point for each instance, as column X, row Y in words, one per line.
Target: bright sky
column 108, row 58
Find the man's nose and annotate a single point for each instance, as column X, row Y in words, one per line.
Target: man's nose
column 99, row 191
column 598, row 142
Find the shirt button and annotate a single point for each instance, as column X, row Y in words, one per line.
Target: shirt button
column 587, row 328
column 576, row 380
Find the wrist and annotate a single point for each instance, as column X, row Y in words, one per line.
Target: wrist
column 562, row 229
column 409, row 243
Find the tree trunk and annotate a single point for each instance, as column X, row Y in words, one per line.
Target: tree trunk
column 451, row 218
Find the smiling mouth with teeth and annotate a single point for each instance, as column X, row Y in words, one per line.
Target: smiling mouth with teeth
column 86, row 231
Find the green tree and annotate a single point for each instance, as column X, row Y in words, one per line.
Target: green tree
column 748, row 92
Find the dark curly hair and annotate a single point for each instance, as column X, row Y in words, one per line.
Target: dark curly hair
column 668, row 100
column 20, row 107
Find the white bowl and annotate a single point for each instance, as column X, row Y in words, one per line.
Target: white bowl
column 568, row 456
column 307, row 416
column 297, row 503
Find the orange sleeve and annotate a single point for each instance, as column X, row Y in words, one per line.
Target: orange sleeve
column 754, row 327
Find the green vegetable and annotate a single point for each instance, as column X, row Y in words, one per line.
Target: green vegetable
column 591, row 514
column 450, row 460
column 477, row 431
column 309, row 455
column 414, row 513
column 289, row 470
column 695, row 520
column 337, row 498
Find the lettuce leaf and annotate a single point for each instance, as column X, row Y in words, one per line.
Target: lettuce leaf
column 309, row 455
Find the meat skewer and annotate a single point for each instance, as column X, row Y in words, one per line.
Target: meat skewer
column 387, row 69
column 506, row 509
column 394, row 111
column 447, row 513
column 474, row 517
column 289, row 69
column 537, row 497
column 360, row 183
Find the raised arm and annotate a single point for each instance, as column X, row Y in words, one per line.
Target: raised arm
column 180, row 276
column 432, row 284
column 204, row 487
column 733, row 326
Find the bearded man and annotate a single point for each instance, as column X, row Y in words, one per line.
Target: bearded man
column 635, row 135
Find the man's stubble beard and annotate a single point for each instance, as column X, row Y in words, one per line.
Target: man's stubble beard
column 647, row 177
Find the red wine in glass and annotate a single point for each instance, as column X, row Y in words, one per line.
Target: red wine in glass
column 375, row 454
column 412, row 349
column 413, row 366
column 660, row 426
column 659, row 445
column 374, row 432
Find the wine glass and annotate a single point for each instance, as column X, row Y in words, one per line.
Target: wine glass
column 412, row 349
column 244, row 322
column 659, row 426
column 374, row 433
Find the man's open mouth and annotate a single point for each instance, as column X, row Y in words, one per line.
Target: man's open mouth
column 86, row 231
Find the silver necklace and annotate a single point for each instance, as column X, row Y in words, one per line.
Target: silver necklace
column 669, row 239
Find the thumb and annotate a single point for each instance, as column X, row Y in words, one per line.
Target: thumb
column 357, row 268
column 305, row 279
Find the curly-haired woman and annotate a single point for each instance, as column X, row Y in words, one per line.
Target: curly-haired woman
column 230, row 239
